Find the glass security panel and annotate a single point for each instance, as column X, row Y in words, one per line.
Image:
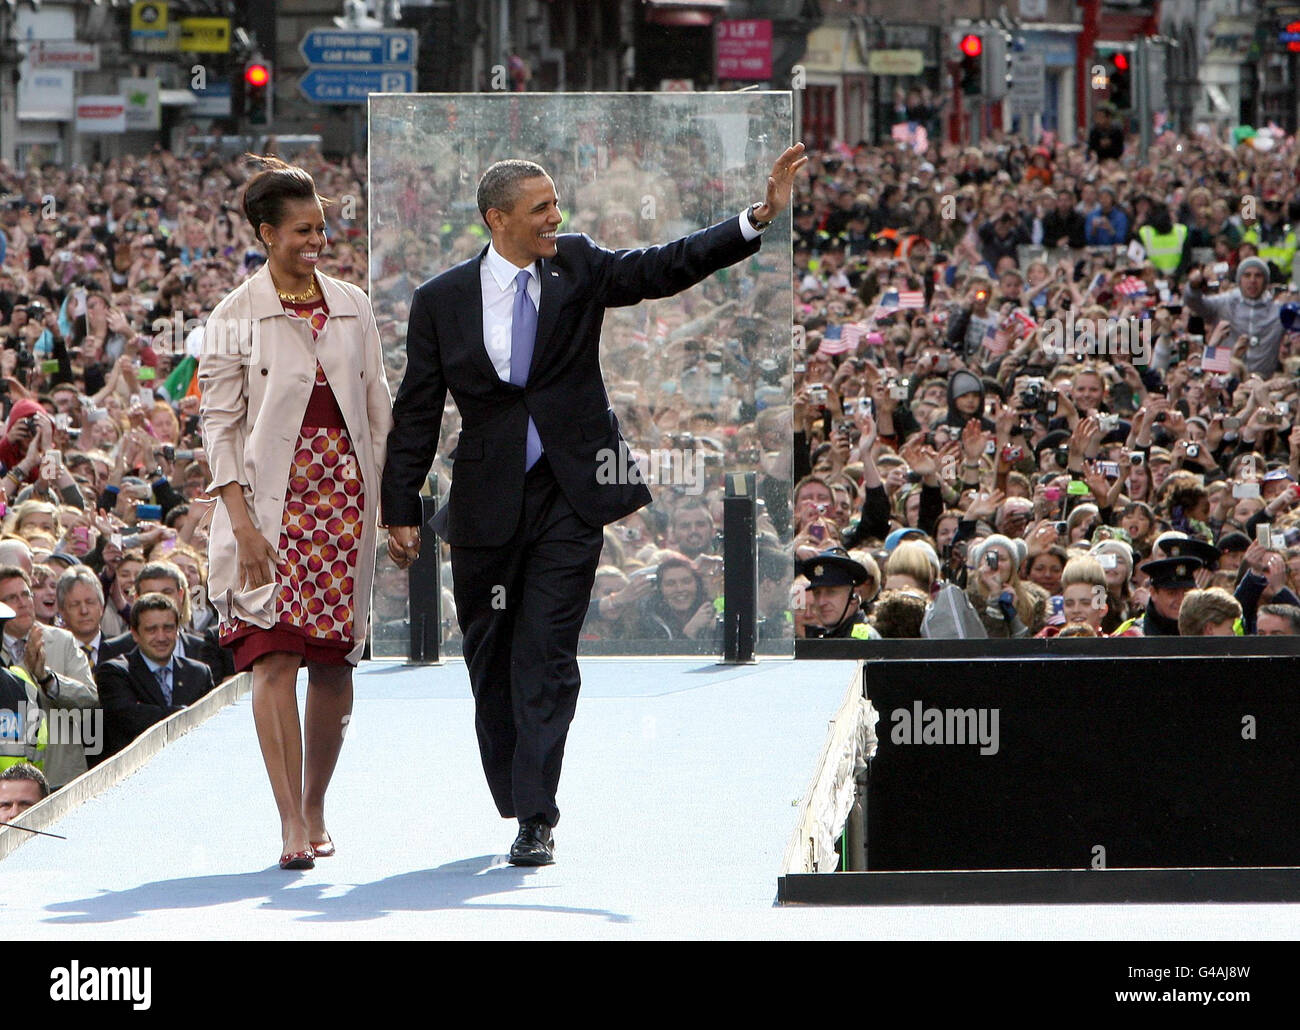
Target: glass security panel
column 700, row 382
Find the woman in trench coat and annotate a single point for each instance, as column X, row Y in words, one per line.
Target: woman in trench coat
column 295, row 413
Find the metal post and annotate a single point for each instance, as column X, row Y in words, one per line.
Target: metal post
column 1142, row 81
column 424, row 588
column 8, row 92
column 740, row 569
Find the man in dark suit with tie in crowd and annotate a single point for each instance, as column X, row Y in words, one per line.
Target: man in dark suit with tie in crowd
column 514, row 334
column 152, row 682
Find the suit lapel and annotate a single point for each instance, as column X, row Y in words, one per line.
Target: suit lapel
column 469, row 316
column 553, row 286
column 144, row 676
column 182, row 684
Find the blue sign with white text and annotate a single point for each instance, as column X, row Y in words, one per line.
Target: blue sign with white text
column 353, row 85
column 364, row 49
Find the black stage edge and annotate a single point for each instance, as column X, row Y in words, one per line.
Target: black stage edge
column 1044, row 887
column 1071, row 647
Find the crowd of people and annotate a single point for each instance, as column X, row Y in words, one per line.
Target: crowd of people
column 106, row 276
column 1037, row 390
column 1048, row 389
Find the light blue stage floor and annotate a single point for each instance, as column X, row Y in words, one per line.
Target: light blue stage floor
column 679, row 796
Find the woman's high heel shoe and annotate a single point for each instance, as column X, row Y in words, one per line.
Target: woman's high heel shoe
column 323, row 848
column 298, row 859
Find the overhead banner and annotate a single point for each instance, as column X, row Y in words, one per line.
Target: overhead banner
column 205, row 35
column 70, row 54
column 101, row 114
column 46, row 95
column 142, row 108
column 148, row 20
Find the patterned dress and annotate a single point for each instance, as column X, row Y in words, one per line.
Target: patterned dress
column 320, row 535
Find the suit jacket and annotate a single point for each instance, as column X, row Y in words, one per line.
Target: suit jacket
column 133, row 701
column 73, row 687
column 565, row 394
column 203, row 648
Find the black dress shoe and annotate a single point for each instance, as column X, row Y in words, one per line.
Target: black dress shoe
column 535, row 844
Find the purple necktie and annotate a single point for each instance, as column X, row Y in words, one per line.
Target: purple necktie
column 523, row 333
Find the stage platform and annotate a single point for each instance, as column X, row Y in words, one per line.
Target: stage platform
column 680, row 795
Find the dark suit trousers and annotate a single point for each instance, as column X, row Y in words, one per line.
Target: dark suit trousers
column 521, row 607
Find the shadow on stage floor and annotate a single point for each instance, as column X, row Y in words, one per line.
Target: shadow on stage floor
column 453, row 885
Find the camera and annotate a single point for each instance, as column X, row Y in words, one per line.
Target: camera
column 1107, row 423
column 991, row 559
column 818, row 395
column 1137, row 458
column 1193, row 450
column 898, row 390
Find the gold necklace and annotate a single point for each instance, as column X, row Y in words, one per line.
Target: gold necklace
column 299, row 298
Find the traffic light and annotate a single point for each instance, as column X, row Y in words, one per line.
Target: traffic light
column 1118, row 72
column 997, row 63
column 972, row 63
column 257, row 92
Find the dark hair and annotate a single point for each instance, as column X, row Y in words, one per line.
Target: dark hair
column 14, row 572
column 266, row 193
column 162, row 570
column 153, row 603
column 1283, row 611
column 499, row 185
column 26, row 771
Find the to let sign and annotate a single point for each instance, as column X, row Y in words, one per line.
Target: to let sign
column 744, row 49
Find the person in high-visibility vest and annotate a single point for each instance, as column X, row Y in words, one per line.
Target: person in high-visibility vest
column 18, row 708
column 1274, row 240
column 1168, row 244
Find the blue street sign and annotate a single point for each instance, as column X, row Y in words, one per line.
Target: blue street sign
column 353, row 85
column 363, row 49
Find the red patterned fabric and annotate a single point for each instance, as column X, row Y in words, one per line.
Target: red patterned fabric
column 320, row 536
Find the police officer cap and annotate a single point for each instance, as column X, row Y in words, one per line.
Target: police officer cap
column 1185, row 547
column 1171, row 573
column 833, row 568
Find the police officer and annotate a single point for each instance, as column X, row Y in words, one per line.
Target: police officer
column 838, row 588
column 1171, row 579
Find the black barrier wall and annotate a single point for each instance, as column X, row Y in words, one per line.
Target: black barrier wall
column 1084, row 762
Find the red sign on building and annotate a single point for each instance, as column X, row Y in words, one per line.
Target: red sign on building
column 744, row 49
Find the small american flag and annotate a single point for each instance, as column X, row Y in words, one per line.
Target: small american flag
column 1217, row 359
column 911, row 299
column 888, row 303
column 1131, row 286
column 852, row 334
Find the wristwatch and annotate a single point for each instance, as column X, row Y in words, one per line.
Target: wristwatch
column 760, row 226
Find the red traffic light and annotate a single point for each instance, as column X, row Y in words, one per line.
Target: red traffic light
column 1121, row 62
column 971, row 45
column 257, row 75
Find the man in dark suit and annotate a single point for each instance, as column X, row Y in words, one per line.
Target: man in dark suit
column 152, row 682
column 163, row 577
column 514, row 334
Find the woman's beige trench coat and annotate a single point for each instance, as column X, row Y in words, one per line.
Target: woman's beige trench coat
column 256, row 373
